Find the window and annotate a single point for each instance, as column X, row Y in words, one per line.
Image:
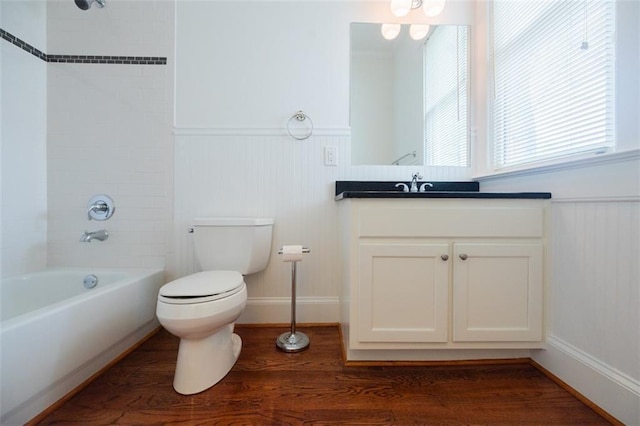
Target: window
column 445, row 86
column 553, row 80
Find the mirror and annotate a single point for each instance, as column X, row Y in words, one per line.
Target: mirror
column 409, row 97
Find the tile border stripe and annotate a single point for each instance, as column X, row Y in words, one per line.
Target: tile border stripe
column 82, row 59
column 23, row 45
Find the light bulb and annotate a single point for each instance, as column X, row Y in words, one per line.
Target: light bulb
column 400, row 7
column 390, row 31
column 432, row 7
column 418, row 31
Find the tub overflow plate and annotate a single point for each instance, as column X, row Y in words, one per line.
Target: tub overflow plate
column 90, row 281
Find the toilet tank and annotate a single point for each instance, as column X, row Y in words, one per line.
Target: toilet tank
column 236, row 244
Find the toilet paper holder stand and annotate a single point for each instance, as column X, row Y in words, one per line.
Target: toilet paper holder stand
column 293, row 341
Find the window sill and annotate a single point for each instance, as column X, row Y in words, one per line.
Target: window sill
column 591, row 160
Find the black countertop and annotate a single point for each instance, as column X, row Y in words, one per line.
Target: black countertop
column 387, row 189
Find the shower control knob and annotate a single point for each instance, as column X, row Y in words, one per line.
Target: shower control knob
column 100, row 207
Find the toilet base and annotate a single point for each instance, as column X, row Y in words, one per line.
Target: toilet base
column 204, row 362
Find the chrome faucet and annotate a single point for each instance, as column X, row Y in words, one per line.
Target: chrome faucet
column 414, row 182
column 100, row 235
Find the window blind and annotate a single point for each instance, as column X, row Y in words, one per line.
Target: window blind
column 553, row 79
column 446, row 135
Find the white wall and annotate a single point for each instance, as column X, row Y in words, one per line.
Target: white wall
column 408, row 104
column 372, row 103
column 277, row 57
column 24, row 120
column 593, row 289
column 109, row 131
column 233, row 155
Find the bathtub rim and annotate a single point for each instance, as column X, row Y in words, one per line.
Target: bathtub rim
column 132, row 274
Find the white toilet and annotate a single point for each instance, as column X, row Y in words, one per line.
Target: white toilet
column 201, row 308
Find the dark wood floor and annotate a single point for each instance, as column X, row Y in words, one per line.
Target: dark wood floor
column 268, row 387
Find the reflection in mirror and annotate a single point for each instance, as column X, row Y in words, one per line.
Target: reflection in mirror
column 409, row 98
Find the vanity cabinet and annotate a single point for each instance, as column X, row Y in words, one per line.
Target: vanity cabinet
column 497, row 292
column 403, row 292
column 442, row 274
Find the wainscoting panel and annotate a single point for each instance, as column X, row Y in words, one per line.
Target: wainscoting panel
column 595, row 269
column 247, row 174
column 594, row 344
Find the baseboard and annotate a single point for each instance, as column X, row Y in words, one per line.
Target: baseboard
column 445, row 363
column 287, row 325
column 277, row 310
column 614, row 392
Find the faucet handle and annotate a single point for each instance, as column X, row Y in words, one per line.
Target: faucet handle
column 423, row 187
column 100, row 207
column 416, row 176
column 404, row 186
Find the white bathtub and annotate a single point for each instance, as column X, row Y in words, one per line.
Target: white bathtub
column 55, row 333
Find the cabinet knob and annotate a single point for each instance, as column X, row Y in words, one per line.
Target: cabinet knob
column 463, row 256
column 444, row 257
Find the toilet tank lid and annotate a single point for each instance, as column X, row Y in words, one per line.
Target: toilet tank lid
column 232, row 221
column 206, row 283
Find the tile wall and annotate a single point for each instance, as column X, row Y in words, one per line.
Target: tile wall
column 24, row 125
column 109, row 131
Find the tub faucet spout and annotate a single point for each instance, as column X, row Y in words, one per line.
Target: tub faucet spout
column 100, row 235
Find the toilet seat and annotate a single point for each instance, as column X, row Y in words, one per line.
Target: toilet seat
column 201, row 287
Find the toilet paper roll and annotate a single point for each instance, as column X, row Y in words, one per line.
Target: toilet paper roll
column 291, row 253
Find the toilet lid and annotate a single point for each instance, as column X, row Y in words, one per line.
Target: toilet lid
column 203, row 284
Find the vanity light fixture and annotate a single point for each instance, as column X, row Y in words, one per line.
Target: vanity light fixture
column 418, row 31
column 430, row 8
column 403, row 7
column 390, row 31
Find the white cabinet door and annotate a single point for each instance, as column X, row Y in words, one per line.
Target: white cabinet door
column 497, row 292
column 403, row 292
